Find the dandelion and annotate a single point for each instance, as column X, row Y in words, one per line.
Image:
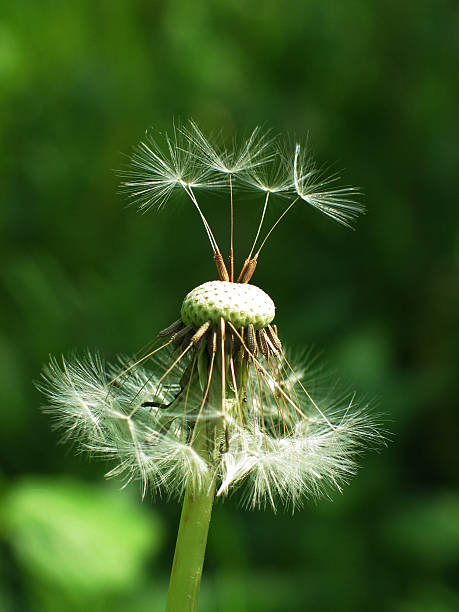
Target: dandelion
column 213, row 404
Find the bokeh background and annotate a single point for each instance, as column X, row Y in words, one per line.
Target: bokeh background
column 376, row 87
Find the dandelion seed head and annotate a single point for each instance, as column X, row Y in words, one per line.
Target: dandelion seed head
column 213, row 402
column 239, row 304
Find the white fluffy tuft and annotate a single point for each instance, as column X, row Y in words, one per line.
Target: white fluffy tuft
column 275, row 460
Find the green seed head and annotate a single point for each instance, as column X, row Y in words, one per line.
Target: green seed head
column 240, row 304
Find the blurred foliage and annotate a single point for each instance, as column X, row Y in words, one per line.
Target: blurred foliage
column 437, row 520
column 375, row 85
column 85, row 542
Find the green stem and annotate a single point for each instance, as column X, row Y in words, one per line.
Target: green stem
column 191, row 542
column 190, row 549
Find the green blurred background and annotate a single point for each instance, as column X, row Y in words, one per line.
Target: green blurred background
column 376, row 87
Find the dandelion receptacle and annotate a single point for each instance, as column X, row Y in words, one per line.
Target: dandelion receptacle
column 212, row 405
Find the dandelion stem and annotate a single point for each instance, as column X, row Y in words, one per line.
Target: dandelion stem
column 191, row 544
column 208, row 436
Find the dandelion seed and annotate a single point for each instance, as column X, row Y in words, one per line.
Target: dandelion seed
column 315, row 187
column 213, row 405
column 157, row 170
column 242, row 156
